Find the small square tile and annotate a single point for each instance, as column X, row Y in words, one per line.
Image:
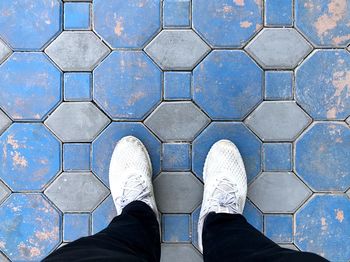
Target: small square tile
column 77, row 16
column 277, row 157
column 77, row 86
column 278, row 85
column 76, row 157
column 279, row 12
column 176, row 157
column 176, row 13
column 279, row 228
column 177, row 85
column 175, row 228
column 75, row 226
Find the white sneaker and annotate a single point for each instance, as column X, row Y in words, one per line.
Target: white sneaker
column 225, row 183
column 130, row 174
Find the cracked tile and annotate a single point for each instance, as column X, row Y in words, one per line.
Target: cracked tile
column 5, row 51
column 179, row 121
column 278, row 48
column 77, row 121
column 103, row 215
column 4, row 192
column 179, row 252
column 278, row 121
column 5, row 121
column 77, row 51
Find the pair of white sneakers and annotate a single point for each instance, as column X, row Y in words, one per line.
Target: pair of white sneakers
column 225, row 181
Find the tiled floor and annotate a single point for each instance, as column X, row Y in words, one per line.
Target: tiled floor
column 273, row 76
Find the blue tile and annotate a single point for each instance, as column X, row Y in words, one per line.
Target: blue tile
column 176, row 13
column 279, row 85
column 175, row 228
column 227, row 84
column 103, row 146
column 253, row 216
column 30, row 227
column 322, row 156
column 76, row 16
column 277, row 156
column 176, row 157
column 103, row 215
column 125, row 95
column 30, row 158
column 248, row 144
column 279, row 12
column 279, row 228
column 76, row 157
column 30, row 86
column 177, row 85
column 77, row 86
column 75, row 226
column 194, row 226
column 322, row 226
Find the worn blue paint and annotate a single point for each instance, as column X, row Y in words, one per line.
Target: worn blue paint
column 177, row 85
column 76, row 157
column 227, row 85
column 279, row 85
column 75, row 226
column 253, row 216
column 277, row 157
column 324, row 22
column 30, row 86
column 76, row 16
column 322, row 226
column 29, row 25
column 133, row 91
column 77, row 86
column 248, row 144
column 322, row 156
column 30, row 158
column 225, row 23
column 279, row 228
column 175, row 228
column 279, row 12
column 103, row 215
column 322, row 84
column 194, row 226
column 103, row 146
column 127, row 24
column 176, row 13
column 176, row 157
column 29, row 228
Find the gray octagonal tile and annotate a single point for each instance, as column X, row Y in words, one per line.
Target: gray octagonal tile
column 5, row 122
column 5, row 51
column 278, row 48
column 278, row 120
column 177, row 49
column 77, row 121
column 76, row 192
column 275, row 192
column 179, row 252
column 4, row 192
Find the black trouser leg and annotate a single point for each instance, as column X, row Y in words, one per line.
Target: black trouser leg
column 228, row 237
column 132, row 236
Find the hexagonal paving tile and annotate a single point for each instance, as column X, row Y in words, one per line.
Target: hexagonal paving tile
column 31, row 156
column 322, row 156
column 227, row 84
column 126, row 95
column 77, row 50
column 177, row 49
column 322, row 225
column 179, row 252
column 218, row 22
column 126, row 24
column 5, row 51
column 278, row 48
column 177, row 121
column 103, row 215
column 30, row 86
column 103, row 146
column 77, row 121
column 30, row 227
column 4, row 192
column 325, row 23
column 76, row 192
column 278, row 192
column 29, row 25
column 248, row 144
column 5, row 121
column 278, row 121
column 322, row 82
column 177, row 192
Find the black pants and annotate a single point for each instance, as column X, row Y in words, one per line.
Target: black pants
column 134, row 236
